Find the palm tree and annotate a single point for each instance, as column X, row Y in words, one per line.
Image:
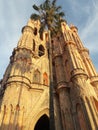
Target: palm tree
column 50, row 17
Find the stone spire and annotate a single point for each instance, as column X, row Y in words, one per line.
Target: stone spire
column 25, row 102
column 25, row 85
column 76, row 81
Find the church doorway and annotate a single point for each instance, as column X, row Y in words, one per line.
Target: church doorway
column 42, row 123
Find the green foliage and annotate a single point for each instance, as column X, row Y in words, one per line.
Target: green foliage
column 50, row 16
column 35, row 17
column 36, row 7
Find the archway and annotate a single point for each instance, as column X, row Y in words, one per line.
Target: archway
column 41, row 50
column 45, row 78
column 42, row 123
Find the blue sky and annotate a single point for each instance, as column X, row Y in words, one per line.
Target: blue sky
column 14, row 14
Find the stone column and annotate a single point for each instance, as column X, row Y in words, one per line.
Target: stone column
column 63, row 93
column 80, row 88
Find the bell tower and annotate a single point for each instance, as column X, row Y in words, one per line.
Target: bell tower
column 25, row 95
column 25, row 86
column 76, row 82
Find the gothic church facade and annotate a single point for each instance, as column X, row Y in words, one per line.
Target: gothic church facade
column 25, row 92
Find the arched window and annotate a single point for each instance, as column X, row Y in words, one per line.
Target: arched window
column 33, row 45
column 45, row 78
column 35, row 31
column 42, row 123
column 81, row 117
column 41, row 36
column 41, row 50
column 46, row 36
column 36, row 76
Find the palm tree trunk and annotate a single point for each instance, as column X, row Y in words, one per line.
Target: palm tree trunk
column 51, row 105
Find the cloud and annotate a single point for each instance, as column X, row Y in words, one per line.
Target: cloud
column 90, row 26
column 89, row 32
column 84, row 15
column 14, row 14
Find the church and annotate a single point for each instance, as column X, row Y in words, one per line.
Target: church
column 25, row 88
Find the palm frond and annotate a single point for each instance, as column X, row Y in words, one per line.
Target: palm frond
column 35, row 7
column 58, row 8
column 54, row 2
column 46, row 5
column 35, row 17
column 41, row 7
column 62, row 14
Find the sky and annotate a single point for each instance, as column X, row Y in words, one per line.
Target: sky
column 14, row 14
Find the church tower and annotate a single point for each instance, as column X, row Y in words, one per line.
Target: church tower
column 25, row 94
column 25, row 86
column 76, row 83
